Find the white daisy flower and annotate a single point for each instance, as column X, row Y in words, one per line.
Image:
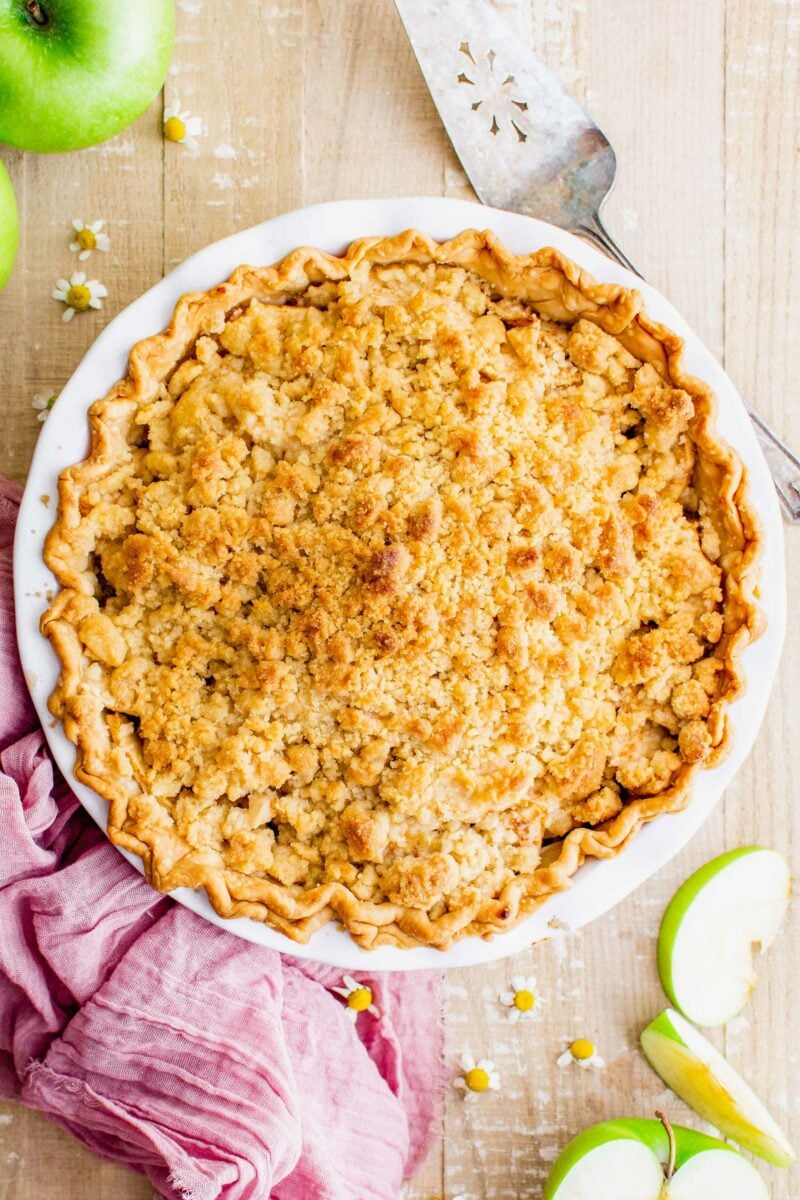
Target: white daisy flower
column 520, row 997
column 89, row 238
column 476, row 1077
column 79, row 294
column 181, row 126
column 358, row 997
column 582, row 1053
column 43, row 402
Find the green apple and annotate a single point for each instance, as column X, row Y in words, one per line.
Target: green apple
column 9, row 227
column 698, row 1073
column 705, row 944
column 635, row 1159
column 75, row 72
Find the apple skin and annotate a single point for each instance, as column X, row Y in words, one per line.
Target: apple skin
column 716, row 1000
column 9, row 227
column 717, row 1093
column 85, row 75
column 652, row 1134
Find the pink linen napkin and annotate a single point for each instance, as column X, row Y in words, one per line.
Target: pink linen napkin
column 216, row 1067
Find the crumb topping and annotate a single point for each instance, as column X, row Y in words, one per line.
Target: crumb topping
column 399, row 581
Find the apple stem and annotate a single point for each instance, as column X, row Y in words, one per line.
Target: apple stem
column 669, row 1169
column 36, row 13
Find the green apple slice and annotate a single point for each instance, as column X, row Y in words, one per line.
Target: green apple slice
column 705, row 944
column 631, row 1160
column 9, row 227
column 700, row 1075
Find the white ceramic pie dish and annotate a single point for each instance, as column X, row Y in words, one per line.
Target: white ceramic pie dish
column 599, row 885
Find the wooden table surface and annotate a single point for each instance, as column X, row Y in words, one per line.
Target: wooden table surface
column 310, row 100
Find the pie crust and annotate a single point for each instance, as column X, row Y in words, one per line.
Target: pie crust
column 396, row 585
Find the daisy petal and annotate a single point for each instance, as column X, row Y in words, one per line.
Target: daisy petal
column 68, row 314
column 459, row 1083
column 564, row 1059
column 518, row 982
column 466, row 1062
column 77, row 225
column 84, row 254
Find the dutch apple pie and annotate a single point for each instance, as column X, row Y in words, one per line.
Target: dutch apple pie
column 396, row 585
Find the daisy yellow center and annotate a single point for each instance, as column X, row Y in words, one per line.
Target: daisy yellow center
column 174, row 129
column 360, row 999
column 524, row 1000
column 582, row 1049
column 477, row 1080
column 79, row 297
column 86, row 239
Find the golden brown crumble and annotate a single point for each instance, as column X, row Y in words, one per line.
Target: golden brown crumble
column 396, row 582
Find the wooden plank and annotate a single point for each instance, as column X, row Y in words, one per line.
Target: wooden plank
column 370, row 125
column 238, row 68
column 119, row 182
column 762, row 317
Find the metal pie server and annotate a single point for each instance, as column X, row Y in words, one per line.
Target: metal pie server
column 527, row 145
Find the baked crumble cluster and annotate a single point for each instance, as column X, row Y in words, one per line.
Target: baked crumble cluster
column 397, row 583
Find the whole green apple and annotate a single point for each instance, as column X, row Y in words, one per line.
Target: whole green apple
column 636, row 1159
column 9, row 227
column 75, row 72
